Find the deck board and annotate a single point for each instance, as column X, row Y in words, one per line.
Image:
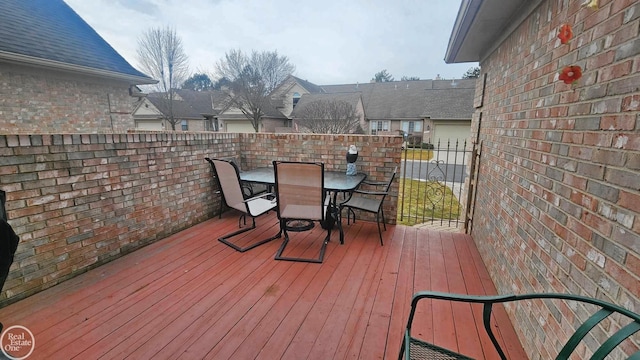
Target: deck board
column 189, row 296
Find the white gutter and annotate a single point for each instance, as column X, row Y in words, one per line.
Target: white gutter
column 31, row 60
column 466, row 16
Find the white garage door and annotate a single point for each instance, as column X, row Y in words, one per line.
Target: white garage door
column 452, row 133
column 239, row 127
column 149, row 125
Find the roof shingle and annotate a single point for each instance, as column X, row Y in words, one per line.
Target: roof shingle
column 50, row 30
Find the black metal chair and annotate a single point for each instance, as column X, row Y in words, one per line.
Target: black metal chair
column 230, row 185
column 369, row 201
column 299, row 188
column 8, row 243
column 414, row 348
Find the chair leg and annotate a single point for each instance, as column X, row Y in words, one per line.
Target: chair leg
column 244, row 217
column 379, row 230
column 221, row 206
column 317, row 260
column 225, row 238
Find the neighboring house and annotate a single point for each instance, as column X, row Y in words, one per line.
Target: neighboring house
column 192, row 110
column 557, row 199
column 287, row 95
column 231, row 119
column 57, row 75
column 431, row 110
column 428, row 110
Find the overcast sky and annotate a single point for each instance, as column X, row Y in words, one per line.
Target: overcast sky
column 328, row 41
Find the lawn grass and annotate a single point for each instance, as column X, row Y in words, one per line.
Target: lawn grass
column 417, row 154
column 419, row 207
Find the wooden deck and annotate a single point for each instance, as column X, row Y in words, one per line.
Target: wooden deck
column 191, row 297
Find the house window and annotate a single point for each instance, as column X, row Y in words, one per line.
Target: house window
column 296, row 98
column 379, row 125
column 185, row 125
column 412, row 126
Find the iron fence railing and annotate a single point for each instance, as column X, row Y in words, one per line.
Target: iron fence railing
column 432, row 183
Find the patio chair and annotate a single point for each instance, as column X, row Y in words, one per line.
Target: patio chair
column 299, row 188
column 230, row 185
column 248, row 189
column 369, row 201
column 8, row 243
column 414, row 348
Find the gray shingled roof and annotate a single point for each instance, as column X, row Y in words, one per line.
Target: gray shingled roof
column 436, row 99
column 49, row 32
column 311, row 87
column 450, row 104
column 204, row 102
column 181, row 109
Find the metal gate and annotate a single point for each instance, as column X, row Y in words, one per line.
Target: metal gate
column 432, row 183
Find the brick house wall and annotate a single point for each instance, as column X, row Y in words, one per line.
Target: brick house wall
column 558, row 201
column 36, row 101
column 81, row 200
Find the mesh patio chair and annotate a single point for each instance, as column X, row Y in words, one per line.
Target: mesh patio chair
column 248, row 189
column 230, row 185
column 415, row 348
column 369, row 201
column 301, row 196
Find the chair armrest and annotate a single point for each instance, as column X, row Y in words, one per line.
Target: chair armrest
column 461, row 297
column 376, row 183
column 370, row 192
column 486, row 300
column 259, row 196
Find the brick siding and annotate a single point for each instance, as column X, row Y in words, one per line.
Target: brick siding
column 80, row 200
column 36, row 101
column 558, row 196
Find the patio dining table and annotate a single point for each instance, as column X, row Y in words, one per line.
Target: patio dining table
column 335, row 182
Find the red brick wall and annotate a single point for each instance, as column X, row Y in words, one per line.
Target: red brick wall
column 80, row 200
column 558, row 205
column 36, row 101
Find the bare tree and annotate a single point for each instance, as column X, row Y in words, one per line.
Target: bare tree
column 329, row 117
column 251, row 79
column 161, row 55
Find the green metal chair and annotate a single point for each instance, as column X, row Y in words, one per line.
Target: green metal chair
column 414, row 348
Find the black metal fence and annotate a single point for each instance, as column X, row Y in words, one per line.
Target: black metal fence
column 432, row 183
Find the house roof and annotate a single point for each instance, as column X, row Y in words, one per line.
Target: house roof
column 482, row 24
column 269, row 110
column 49, row 33
column 436, row 99
column 311, row 87
column 204, row 102
column 444, row 104
column 352, row 98
column 181, row 109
